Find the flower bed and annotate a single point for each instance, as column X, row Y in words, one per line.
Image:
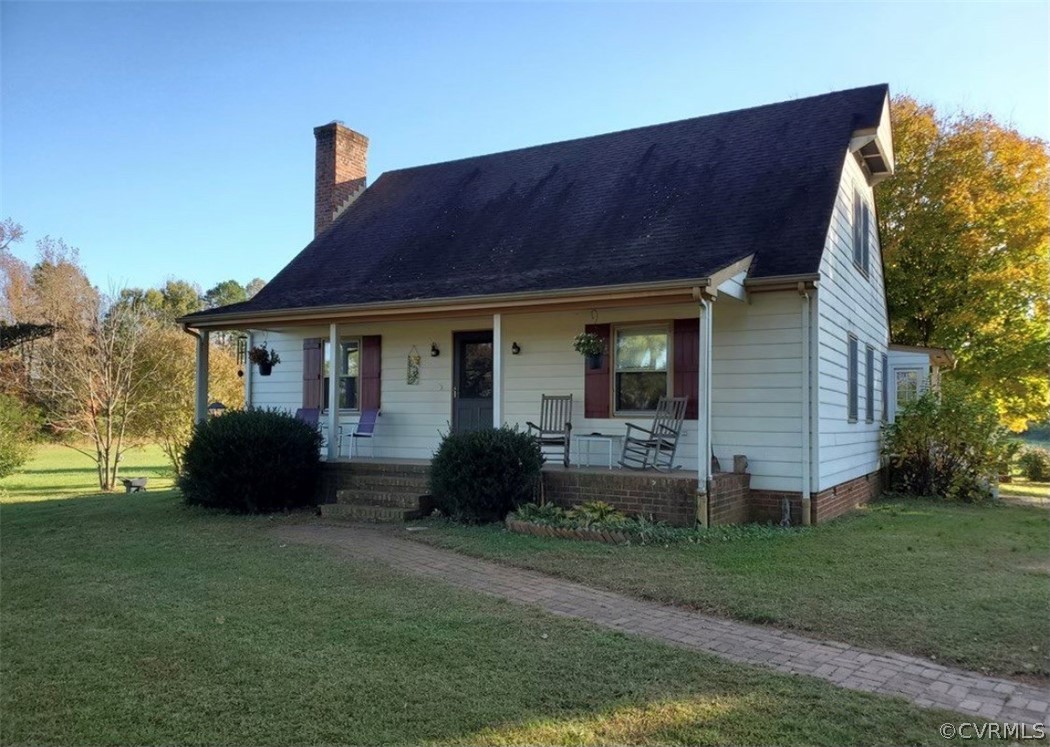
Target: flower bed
column 591, row 535
column 599, row 522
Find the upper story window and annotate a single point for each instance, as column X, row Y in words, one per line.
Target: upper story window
column 852, row 375
column 861, row 232
column 640, row 364
column 349, row 375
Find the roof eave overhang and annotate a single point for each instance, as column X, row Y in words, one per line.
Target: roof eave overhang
column 668, row 291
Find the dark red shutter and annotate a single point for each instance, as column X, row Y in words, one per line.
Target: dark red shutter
column 313, row 368
column 687, row 364
column 597, row 382
column 371, row 372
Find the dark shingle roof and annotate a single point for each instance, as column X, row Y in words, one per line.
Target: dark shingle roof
column 670, row 201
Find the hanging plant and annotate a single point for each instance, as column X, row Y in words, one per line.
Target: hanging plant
column 264, row 358
column 591, row 347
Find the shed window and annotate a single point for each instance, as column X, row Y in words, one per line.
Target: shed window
column 641, row 367
column 851, row 380
column 907, row 386
column 349, row 374
column 869, row 384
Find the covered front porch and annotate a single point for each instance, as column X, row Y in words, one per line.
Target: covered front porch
column 735, row 355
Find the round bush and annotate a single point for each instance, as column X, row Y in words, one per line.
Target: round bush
column 1035, row 464
column 484, row 475
column 252, row 461
column 19, row 427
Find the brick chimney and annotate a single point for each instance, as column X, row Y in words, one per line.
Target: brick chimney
column 341, row 169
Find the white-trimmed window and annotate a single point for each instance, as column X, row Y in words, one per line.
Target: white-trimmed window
column 642, row 374
column 851, row 379
column 348, row 385
column 861, row 232
column 869, row 384
column 907, row 385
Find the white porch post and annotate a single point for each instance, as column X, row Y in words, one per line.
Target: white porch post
column 807, row 499
column 497, row 370
column 703, row 410
column 248, row 373
column 333, row 391
column 200, row 404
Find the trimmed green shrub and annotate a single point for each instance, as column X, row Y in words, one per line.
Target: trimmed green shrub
column 252, row 461
column 19, row 429
column 483, row 475
column 1035, row 464
column 948, row 444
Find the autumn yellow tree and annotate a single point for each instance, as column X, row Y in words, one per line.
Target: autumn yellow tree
column 964, row 227
column 168, row 358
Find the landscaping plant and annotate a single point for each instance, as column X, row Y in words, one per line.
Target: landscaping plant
column 483, row 475
column 947, row 444
column 252, row 461
column 19, row 425
column 1035, row 464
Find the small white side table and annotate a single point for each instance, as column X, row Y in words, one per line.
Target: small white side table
column 590, row 438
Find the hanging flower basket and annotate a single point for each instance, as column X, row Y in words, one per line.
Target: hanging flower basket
column 264, row 358
column 591, row 347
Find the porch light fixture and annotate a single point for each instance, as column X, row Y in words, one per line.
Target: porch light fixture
column 434, row 352
column 216, row 408
column 515, row 348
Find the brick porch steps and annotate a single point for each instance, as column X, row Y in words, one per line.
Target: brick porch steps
column 355, row 512
column 377, row 491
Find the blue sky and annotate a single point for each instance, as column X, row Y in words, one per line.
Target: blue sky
column 175, row 139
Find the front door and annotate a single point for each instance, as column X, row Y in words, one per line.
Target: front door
column 472, row 381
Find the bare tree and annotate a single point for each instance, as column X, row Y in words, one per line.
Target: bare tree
column 92, row 389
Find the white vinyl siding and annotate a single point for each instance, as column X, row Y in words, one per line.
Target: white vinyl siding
column 848, row 303
column 756, row 379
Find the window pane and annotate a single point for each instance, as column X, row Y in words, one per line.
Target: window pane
column 641, row 350
column 349, row 373
column 475, row 373
column 639, row 391
column 907, row 387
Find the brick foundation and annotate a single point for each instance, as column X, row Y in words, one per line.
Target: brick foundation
column 729, row 498
column 665, row 497
column 824, row 506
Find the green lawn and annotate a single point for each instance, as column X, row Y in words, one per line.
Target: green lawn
column 967, row 585
column 131, row 619
column 57, row 471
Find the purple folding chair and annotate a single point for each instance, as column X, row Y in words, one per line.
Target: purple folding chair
column 312, row 416
column 366, row 428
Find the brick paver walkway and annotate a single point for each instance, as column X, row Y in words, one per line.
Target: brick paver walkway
column 922, row 681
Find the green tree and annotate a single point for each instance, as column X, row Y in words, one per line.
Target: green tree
column 254, row 286
column 225, row 293
column 964, row 233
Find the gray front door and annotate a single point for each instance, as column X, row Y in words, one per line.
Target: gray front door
column 472, row 381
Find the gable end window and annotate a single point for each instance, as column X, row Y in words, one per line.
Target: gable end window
column 851, row 380
column 869, row 384
column 348, row 384
column 861, row 232
column 641, row 372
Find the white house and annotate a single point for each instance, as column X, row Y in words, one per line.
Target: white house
column 733, row 259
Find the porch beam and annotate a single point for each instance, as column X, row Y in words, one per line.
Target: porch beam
column 200, row 402
column 497, row 370
column 333, row 391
